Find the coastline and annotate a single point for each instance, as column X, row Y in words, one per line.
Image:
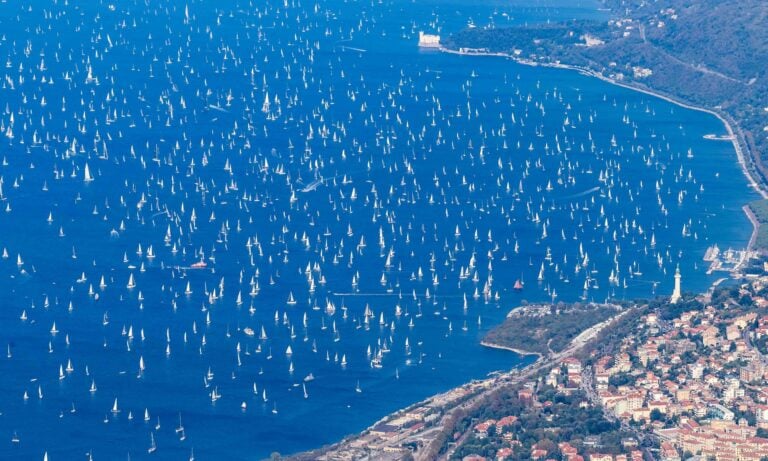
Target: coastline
column 500, row 376
column 734, row 135
column 354, row 446
column 755, row 226
column 491, row 345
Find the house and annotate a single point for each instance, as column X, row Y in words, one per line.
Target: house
column 525, row 395
column 481, row 429
column 600, row 457
column 567, row 450
column 506, row 421
column 629, row 442
column 668, row 452
column 761, row 414
column 592, row 441
column 573, row 365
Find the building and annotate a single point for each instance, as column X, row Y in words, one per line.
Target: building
column 429, row 40
column 676, row 294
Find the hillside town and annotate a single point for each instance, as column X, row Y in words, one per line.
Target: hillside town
column 683, row 380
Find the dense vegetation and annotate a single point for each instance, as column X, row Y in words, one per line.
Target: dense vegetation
column 760, row 210
column 562, row 418
column 712, row 53
column 548, row 329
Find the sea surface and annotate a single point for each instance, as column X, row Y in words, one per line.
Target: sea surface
column 365, row 204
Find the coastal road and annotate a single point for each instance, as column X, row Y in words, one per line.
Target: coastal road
column 513, row 378
column 360, row 446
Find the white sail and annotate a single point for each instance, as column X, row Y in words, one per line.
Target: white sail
column 87, row 177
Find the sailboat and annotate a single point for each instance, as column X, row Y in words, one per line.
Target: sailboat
column 152, row 444
column 87, row 174
column 181, row 427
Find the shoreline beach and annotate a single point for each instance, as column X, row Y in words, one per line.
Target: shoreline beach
column 491, row 345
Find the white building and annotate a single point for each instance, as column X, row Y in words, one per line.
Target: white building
column 676, row 294
column 429, row 40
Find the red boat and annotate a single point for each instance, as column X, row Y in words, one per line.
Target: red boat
column 199, row 265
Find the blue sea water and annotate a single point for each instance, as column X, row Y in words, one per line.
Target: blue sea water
column 365, row 137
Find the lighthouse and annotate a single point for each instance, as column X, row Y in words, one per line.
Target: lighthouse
column 676, row 294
